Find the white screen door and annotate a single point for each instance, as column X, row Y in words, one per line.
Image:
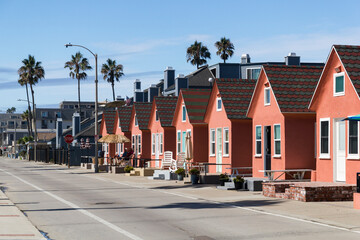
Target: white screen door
column 219, row 149
column 340, row 162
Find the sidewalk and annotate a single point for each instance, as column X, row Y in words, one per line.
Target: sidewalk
column 13, row 223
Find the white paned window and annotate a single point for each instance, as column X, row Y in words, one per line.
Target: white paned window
column 226, row 142
column 178, row 140
column 153, row 144
column 136, row 121
column 183, row 113
column 324, row 138
column 156, row 115
column 353, row 140
column 161, row 143
column 267, row 96
column 277, row 140
column 258, row 141
column 212, row 142
column 218, row 104
column 139, row 143
column 133, row 142
column 339, row 84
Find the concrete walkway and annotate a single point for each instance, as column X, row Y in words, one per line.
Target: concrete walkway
column 13, row 223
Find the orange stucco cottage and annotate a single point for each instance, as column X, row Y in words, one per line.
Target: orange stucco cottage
column 140, row 132
column 283, row 126
column 163, row 134
column 121, row 127
column 189, row 117
column 335, row 98
column 230, row 130
column 106, row 128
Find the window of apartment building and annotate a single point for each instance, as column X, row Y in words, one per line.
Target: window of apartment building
column 212, row 142
column 353, row 141
column 277, row 140
column 218, row 104
column 44, row 114
column 183, row 113
column 324, row 138
column 178, row 140
column 258, row 140
column 267, row 96
column 339, row 84
column 226, row 142
column 252, row 73
column 58, row 114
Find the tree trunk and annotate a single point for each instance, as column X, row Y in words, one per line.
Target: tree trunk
column 79, row 98
column 113, row 90
column 29, row 109
column 34, row 114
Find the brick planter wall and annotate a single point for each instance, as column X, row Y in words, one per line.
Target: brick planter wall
column 309, row 192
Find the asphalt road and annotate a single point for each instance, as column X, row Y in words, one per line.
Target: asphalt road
column 82, row 205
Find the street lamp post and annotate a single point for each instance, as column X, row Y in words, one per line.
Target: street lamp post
column 96, row 105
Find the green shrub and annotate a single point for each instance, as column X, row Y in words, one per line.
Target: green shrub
column 224, row 177
column 180, row 171
column 239, row 179
column 194, row 171
column 128, row 169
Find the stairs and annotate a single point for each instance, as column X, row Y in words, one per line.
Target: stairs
column 164, row 175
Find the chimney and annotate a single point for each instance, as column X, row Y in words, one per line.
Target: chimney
column 169, row 77
column 59, row 137
column 76, row 127
column 245, row 58
column 292, row 60
column 181, row 82
column 153, row 91
column 137, row 85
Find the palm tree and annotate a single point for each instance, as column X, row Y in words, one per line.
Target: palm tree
column 111, row 73
column 32, row 72
column 197, row 54
column 26, row 116
column 23, row 82
column 77, row 66
column 225, row 48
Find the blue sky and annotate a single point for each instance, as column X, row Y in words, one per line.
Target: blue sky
column 148, row 36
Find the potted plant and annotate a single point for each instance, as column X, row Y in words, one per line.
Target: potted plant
column 239, row 182
column 223, row 178
column 194, row 172
column 180, row 173
column 128, row 169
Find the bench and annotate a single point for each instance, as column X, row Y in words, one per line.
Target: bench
column 297, row 174
column 235, row 171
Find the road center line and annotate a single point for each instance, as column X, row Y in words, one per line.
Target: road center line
column 87, row 213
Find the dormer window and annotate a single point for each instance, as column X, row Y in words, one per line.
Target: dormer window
column 119, row 123
column 267, row 96
column 156, row 115
column 218, row 104
column 136, row 121
column 183, row 113
column 339, row 84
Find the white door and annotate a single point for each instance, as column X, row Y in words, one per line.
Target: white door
column 340, row 161
column 219, row 149
column 157, row 150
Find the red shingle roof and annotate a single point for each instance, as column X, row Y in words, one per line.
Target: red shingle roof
column 196, row 101
column 166, row 108
column 142, row 111
column 109, row 116
column 124, row 114
column 293, row 86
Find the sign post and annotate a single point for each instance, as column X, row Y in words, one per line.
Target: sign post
column 69, row 139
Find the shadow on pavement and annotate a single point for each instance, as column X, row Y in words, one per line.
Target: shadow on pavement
column 184, row 186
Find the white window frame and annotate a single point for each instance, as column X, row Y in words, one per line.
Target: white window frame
column 324, row 155
column 136, row 121
column 341, row 74
column 277, row 139
column 265, row 103
column 258, row 140
column 161, row 143
column 153, row 144
column 352, row 155
column 247, row 75
column 133, row 142
column 212, row 141
column 178, row 141
column 218, row 109
column 183, row 113
column 119, row 125
column 139, row 144
column 226, row 154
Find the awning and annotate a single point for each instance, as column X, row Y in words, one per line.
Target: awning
column 112, row 138
column 353, row 118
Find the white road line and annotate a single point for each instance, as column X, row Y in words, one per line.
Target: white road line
column 106, row 223
column 239, row 207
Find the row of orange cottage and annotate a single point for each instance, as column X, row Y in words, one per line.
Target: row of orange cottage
column 292, row 117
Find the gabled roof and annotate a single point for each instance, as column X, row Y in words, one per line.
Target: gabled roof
column 196, row 101
column 109, row 116
column 236, row 95
column 166, row 109
column 293, row 86
column 124, row 114
column 142, row 111
column 350, row 58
